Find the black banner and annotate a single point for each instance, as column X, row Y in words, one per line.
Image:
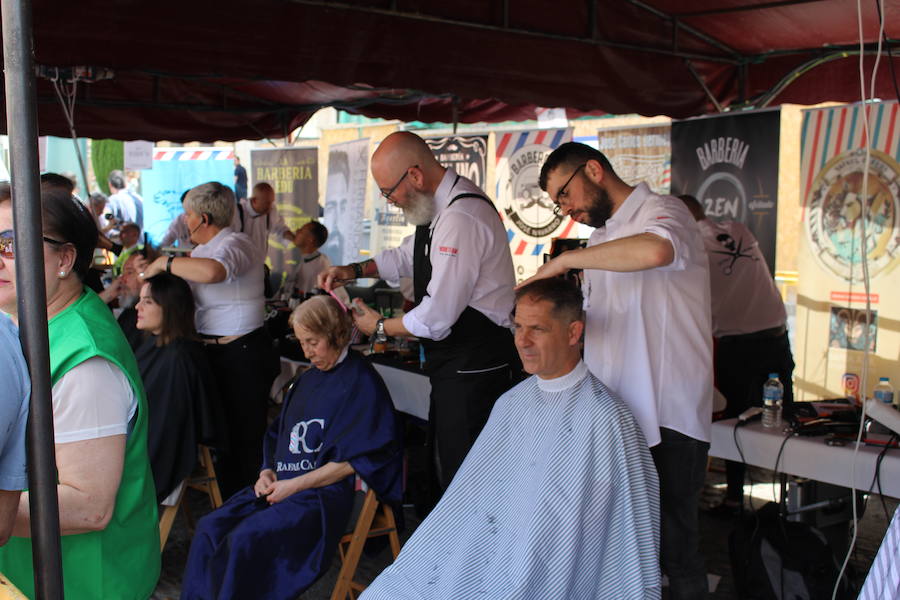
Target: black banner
column 730, row 164
column 467, row 155
column 294, row 174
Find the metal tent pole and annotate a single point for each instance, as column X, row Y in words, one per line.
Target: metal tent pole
column 21, row 123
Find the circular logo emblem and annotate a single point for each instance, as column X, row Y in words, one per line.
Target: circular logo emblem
column 834, row 214
column 529, row 208
column 723, row 197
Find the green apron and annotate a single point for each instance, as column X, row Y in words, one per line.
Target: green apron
column 123, row 560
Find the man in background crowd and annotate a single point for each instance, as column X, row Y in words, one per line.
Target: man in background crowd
column 240, row 180
column 748, row 320
column 125, row 205
column 130, row 237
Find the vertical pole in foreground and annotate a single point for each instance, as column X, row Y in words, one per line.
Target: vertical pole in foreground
column 21, row 123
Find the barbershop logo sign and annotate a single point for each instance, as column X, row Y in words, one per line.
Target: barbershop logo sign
column 834, row 217
column 520, row 156
column 467, row 155
column 730, row 164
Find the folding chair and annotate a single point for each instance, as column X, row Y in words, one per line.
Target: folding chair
column 375, row 520
column 204, row 480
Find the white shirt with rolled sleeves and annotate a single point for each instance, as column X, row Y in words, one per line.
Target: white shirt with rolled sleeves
column 258, row 226
column 648, row 334
column 470, row 260
column 234, row 306
column 744, row 296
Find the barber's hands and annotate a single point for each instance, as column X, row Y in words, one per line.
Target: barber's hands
column 365, row 317
column 552, row 268
column 265, row 481
column 146, row 271
column 334, row 277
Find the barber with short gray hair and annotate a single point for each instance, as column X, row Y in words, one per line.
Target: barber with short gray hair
column 225, row 271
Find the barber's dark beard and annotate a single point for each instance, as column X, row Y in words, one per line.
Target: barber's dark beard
column 601, row 205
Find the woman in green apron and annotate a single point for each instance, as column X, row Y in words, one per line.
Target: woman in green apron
column 107, row 504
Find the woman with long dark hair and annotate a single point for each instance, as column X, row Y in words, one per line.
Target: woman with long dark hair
column 176, row 378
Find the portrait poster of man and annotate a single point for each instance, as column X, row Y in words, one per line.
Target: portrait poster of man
column 294, row 175
column 730, row 164
column 345, row 199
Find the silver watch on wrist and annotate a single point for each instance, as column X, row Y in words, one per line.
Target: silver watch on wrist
column 380, row 335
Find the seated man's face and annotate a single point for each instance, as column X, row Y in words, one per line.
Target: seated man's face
column 131, row 281
column 304, row 239
column 549, row 347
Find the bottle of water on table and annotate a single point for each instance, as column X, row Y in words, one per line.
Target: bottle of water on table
column 773, row 393
column 884, row 391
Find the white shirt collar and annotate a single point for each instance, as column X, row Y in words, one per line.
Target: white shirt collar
column 563, row 382
column 632, row 203
column 444, row 191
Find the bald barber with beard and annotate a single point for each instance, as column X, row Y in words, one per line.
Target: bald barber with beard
column 463, row 278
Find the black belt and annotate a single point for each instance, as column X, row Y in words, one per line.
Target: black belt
column 764, row 334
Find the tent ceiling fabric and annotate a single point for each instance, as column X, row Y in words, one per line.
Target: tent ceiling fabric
column 226, row 70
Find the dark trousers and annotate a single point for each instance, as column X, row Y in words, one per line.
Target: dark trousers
column 244, row 371
column 460, row 406
column 681, row 465
column 743, row 364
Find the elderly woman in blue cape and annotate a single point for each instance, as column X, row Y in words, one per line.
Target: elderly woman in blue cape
column 275, row 539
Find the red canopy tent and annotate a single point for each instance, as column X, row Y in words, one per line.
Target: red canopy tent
column 231, row 69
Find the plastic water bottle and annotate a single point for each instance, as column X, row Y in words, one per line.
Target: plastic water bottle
column 773, row 392
column 884, row 391
column 883, row 394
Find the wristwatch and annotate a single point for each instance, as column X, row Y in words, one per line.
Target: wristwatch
column 380, row 335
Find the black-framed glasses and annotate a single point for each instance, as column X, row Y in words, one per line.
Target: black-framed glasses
column 557, row 209
column 8, row 244
column 387, row 193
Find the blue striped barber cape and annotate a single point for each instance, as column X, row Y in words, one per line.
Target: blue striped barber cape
column 558, row 499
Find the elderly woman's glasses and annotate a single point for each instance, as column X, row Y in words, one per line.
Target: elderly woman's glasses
column 387, row 193
column 8, row 247
column 557, row 208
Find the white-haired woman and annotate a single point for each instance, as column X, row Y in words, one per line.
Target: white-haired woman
column 273, row 540
column 225, row 271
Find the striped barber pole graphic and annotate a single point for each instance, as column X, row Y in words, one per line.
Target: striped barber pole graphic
column 526, row 210
column 829, row 132
column 192, row 154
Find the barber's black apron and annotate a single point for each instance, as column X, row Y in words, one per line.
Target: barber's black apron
column 469, row 369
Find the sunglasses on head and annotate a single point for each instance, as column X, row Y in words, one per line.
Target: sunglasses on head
column 8, row 244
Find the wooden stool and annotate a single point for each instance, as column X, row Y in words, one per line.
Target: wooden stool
column 204, row 479
column 375, row 519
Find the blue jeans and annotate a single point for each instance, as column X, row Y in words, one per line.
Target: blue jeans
column 681, row 465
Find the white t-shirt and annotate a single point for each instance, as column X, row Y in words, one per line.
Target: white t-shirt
column 92, row 400
column 304, row 276
column 470, row 261
column 234, row 306
column 648, row 335
column 744, row 296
